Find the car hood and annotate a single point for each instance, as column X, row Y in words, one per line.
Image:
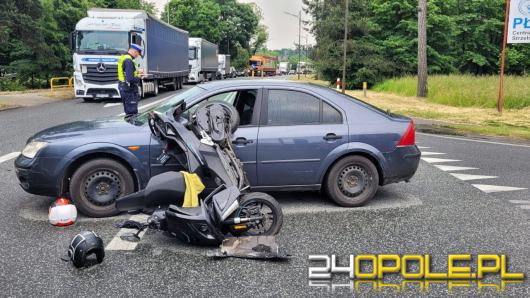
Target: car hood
column 106, row 126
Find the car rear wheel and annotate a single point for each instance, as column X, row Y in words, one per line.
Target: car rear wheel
column 96, row 185
column 352, row 181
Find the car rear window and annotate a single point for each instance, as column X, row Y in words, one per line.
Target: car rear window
column 286, row 107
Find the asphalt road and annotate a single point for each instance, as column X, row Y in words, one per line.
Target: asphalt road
column 440, row 212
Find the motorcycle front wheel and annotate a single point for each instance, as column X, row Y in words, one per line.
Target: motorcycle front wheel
column 258, row 204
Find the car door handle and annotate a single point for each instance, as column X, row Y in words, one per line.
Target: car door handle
column 242, row 141
column 331, row 137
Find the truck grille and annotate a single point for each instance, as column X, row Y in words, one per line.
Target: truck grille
column 107, row 76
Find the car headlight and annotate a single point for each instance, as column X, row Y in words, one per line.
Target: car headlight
column 32, row 148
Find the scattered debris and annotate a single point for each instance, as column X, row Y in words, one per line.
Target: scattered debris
column 254, row 247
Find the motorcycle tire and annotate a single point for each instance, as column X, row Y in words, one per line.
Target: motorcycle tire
column 234, row 115
column 264, row 199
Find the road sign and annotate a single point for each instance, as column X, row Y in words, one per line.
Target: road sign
column 519, row 22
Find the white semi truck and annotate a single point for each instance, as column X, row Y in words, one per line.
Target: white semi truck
column 203, row 60
column 225, row 71
column 284, row 68
column 102, row 37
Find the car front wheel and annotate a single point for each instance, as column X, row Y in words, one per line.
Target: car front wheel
column 96, row 184
column 352, row 181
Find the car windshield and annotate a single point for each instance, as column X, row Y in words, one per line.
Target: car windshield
column 102, row 41
column 169, row 103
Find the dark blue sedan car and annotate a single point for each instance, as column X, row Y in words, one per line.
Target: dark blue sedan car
column 291, row 136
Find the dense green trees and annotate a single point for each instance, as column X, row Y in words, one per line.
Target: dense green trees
column 34, row 33
column 464, row 36
column 34, row 37
column 233, row 26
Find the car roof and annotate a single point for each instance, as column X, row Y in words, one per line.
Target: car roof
column 327, row 92
column 243, row 83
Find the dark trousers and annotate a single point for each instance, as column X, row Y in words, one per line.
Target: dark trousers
column 129, row 99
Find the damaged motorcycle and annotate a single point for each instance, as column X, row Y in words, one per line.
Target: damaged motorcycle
column 200, row 140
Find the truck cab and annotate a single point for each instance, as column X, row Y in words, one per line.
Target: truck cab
column 98, row 41
column 203, row 60
column 102, row 37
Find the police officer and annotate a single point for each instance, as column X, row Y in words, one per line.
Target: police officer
column 129, row 77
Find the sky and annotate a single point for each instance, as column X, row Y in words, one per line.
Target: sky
column 282, row 28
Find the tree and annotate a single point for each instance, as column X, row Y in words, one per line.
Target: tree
column 258, row 41
column 199, row 17
column 238, row 24
column 422, row 48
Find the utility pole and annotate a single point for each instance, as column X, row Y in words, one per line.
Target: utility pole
column 422, row 48
column 344, row 46
column 299, row 16
column 299, row 42
column 503, row 58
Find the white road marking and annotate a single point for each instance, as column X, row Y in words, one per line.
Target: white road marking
column 112, row 104
column 423, row 147
column 8, row 156
column 437, row 160
column 429, row 153
column 140, row 108
column 453, row 168
column 472, row 140
column 527, row 207
column 496, row 188
column 119, row 244
column 467, row 177
column 519, row 202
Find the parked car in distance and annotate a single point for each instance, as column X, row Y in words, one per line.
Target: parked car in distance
column 291, row 136
column 292, row 72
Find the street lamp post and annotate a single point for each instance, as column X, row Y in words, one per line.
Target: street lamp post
column 299, row 16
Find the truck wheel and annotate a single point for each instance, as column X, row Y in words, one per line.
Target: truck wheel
column 173, row 86
column 140, row 91
column 96, row 184
column 352, row 181
column 155, row 88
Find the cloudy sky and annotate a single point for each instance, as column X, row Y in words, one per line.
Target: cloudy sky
column 283, row 29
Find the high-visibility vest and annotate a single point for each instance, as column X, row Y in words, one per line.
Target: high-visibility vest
column 121, row 73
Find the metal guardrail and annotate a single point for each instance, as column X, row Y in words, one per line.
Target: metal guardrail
column 53, row 83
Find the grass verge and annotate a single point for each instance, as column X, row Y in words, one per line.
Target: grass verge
column 465, row 90
column 514, row 123
column 4, row 106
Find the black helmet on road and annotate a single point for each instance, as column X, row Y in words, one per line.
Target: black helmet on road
column 83, row 245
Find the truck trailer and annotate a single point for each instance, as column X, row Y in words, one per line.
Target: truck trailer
column 203, row 60
column 102, row 37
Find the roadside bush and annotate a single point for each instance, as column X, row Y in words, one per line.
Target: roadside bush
column 9, row 84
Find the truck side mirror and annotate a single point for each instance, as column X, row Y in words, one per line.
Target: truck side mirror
column 72, row 40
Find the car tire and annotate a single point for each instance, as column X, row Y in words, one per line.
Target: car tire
column 88, row 99
column 96, row 184
column 352, row 181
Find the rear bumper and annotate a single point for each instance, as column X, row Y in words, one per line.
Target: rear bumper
column 402, row 164
column 35, row 175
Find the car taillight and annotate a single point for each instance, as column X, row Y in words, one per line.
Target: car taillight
column 409, row 138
